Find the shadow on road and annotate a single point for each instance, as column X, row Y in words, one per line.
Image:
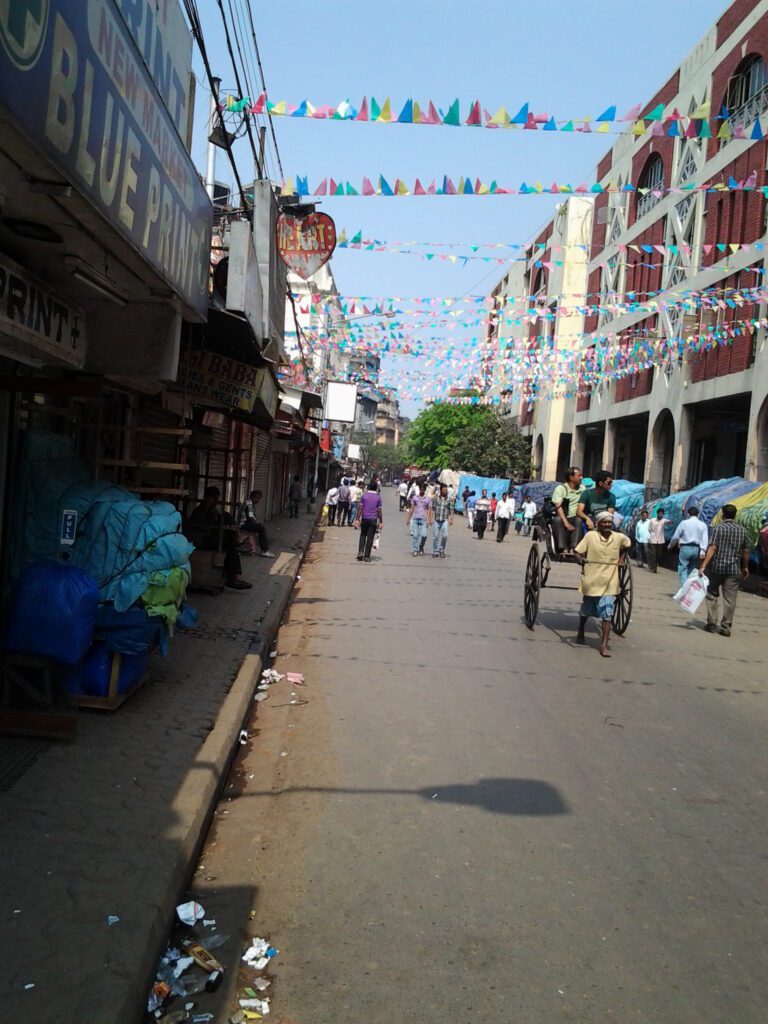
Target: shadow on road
column 499, row 796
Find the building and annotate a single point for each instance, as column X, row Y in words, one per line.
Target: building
column 686, row 399
column 388, row 420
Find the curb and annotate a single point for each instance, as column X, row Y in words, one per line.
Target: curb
column 194, row 804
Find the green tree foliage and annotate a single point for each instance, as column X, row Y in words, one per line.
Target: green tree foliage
column 491, row 446
column 437, row 429
column 393, row 457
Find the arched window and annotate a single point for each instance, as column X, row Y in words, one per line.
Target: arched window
column 745, row 97
column 652, row 179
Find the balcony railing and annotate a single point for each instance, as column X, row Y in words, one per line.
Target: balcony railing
column 748, row 112
column 647, row 202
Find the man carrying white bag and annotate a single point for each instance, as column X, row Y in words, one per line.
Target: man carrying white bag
column 692, row 593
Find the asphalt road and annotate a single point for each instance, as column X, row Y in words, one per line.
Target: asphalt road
column 474, row 822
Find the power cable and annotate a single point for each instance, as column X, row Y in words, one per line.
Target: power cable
column 264, row 84
column 254, row 151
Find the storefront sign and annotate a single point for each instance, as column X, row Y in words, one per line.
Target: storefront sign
column 68, row 527
column 32, row 313
column 74, row 82
column 305, row 243
column 224, row 380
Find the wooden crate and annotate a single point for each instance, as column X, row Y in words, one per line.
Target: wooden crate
column 113, row 699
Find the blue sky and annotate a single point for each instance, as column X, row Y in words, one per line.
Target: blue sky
column 568, row 59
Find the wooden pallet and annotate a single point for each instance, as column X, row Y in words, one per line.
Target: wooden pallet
column 113, row 699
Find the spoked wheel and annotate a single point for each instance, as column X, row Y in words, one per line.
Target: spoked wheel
column 546, row 566
column 532, row 587
column 623, row 607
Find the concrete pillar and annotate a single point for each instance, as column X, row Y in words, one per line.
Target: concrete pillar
column 609, row 445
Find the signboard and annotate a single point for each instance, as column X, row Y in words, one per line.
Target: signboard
column 353, row 452
column 244, row 293
column 33, row 313
column 74, row 83
column 305, row 243
column 68, row 527
column 340, row 401
column 225, row 380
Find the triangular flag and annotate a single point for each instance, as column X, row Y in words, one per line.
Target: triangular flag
column 301, row 110
column 362, row 114
column 530, row 124
column 432, row 117
column 375, row 110
column 582, row 187
column 260, row 105
column 339, row 191
column 632, row 114
column 608, row 115
column 521, row 116
column 386, row 111
column 368, row 190
column 449, row 189
column 524, row 190
column 724, row 113
column 358, row 238
column 453, row 117
column 349, row 191
column 475, row 115
column 500, row 118
column 732, row 183
column 384, row 187
column 757, row 131
column 302, row 186
column 468, row 190
column 567, row 127
column 739, row 132
column 460, row 186
column 288, row 188
column 416, row 113
column 481, row 189
column 586, row 127
column 604, row 127
column 418, row 189
column 322, row 188
column 401, row 188
column 550, row 126
column 342, row 239
column 406, row 114
column 656, row 114
column 705, row 132
column 639, row 128
column 690, row 132
column 657, row 129
column 276, row 108
column 702, row 111
column 673, row 129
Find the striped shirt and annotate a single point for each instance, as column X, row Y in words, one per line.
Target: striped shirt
column 443, row 508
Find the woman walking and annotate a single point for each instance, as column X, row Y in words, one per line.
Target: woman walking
column 369, row 519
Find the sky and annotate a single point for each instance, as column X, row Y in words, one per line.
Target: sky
column 566, row 58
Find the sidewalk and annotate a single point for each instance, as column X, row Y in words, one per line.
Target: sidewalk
column 111, row 823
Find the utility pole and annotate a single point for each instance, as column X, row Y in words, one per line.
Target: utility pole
column 213, row 119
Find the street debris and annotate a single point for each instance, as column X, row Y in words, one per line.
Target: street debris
column 112, row 919
column 270, row 676
column 259, row 1005
column 190, row 913
column 295, row 678
column 261, row 696
column 243, row 737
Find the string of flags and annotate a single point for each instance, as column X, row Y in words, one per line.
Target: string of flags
column 698, row 124
column 465, row 186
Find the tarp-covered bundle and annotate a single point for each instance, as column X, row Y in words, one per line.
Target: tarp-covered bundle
column 711, row 503
column 478, row 484
column 537, row 490
column 751, row 509
column 629, row 496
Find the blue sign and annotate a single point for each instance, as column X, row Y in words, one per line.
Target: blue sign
column 68, row 526
column 73, row 81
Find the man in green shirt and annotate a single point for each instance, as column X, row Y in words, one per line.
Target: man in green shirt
column 600, row 498
column 565, row 498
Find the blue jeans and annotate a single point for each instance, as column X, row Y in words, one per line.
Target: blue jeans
column 352, row 513
column 688, row 560
column 439, row 536
column 418, row 532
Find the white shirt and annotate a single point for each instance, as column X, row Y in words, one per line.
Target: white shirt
column 691, row 531
column 332, row 498
column 414, row 490
column 402, row 490
column 505, row 508
column 657, row 530
column 529, row 509
column 355, row 493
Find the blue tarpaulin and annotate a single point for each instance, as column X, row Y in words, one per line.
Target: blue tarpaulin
column 537, row 490
column 479, row 483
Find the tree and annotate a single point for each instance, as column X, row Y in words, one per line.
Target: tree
column 491, row 446
column 436, row 430
column 393, row 457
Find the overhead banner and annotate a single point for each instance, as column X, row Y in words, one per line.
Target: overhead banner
column 306, row 243
column 74, row 83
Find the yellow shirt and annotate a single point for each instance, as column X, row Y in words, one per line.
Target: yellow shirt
column 601, row 574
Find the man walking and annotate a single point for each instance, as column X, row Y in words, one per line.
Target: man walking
column 294, row 497
column 402, row 493
column 692, row 537
column 642, row 538
column 342, row 510
column 494, row 506
column 355, row 494
column 599, row 498
column 529, row 511
column 442, row 518
column 332, row 500
column 470, row 505
column 418, row 514
column 464, row 495
column 601, row 553
column 369, row 519
column 504, row 512
column 656, row 540
column 565, row 498
column 482, row 508
column 725, row 563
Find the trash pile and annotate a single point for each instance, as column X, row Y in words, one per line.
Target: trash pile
column 190, row 968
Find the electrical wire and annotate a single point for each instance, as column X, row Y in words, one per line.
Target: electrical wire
column 263, row 84
column 228, row 39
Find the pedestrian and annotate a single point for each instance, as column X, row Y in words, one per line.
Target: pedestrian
column 482, row 509
column 369, row 519
column 566, row 498
column 332, row 500
column 211, row 530
column 519, row 521
column 494, row 506
column 505, row 509
column 418, row 514
column 294, row 497
column 642, row 538
column 529, row 511
column 355, row 494
column 464, row 495
column 413, row 490
column 442, row 518
column 342, row 507
column 470, row 505
column 599, row 498
column 601, row 552
column 692, row 538
column 725, row 564
column 618, row 519
column 250, row 522
column 402, row 493
column 657, row 541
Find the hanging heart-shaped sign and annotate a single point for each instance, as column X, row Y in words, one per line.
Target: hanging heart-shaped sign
column 305, row 243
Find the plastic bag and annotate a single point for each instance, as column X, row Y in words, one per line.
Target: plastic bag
column 692, row 592
column 376, row 542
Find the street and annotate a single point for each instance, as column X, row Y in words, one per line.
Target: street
column 471, row 821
